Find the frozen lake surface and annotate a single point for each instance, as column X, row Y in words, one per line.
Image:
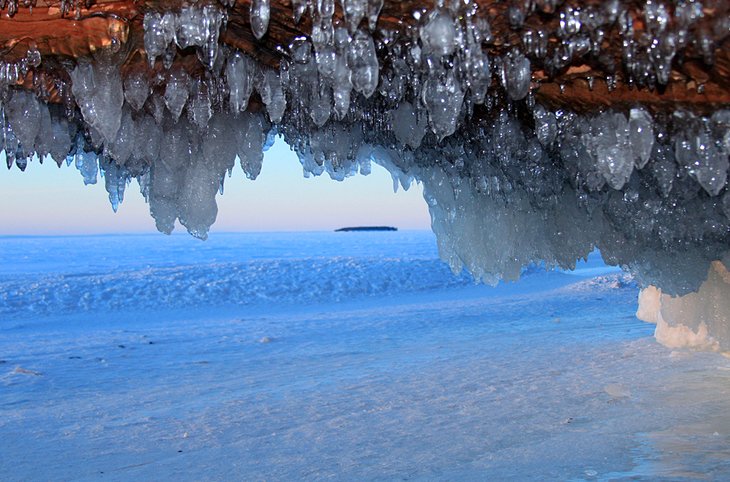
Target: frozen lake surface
column 342, row 356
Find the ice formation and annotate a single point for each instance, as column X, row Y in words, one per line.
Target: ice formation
column 509, row 177
column 699, row 320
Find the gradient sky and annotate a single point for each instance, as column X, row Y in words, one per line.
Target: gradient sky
column 47, row 200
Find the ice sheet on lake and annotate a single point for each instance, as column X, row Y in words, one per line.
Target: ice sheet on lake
column 515, row 381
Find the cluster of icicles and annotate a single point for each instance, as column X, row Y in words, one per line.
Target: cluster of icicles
column 523, row 184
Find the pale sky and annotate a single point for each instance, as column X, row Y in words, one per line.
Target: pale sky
column 47, row 200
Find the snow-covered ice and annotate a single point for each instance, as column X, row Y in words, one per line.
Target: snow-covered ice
column 356, row 356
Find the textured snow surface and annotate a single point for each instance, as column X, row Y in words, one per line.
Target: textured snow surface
column 548, row 378
column 252, row 270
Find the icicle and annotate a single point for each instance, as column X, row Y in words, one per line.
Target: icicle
column 176, row 93
column 259, row 16
column 363, row 62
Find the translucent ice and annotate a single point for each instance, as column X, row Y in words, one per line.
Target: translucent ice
column 126, row 142
column 609, row 144
column 24, row 114
column 99, row 94
column 363, row 62
column 516, row 75
column 697, row 152
column 250, row 139
column 272, row 94
column 136, row 90
column 299, row 7
column 438, row 34
column 408, row 126
column 321, row 104
column 260, row 13
column 219, row 146
column 443, row 98
column 641, row 135
column 354, row 12
column 238, row 75
column 374, row 7
column 159, row 31
column 200, row 109
column 546, row 127
column 177, row 92
column 86, row 163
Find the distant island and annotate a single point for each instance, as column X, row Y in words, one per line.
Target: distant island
column 366, row 228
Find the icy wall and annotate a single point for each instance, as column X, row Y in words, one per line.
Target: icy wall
column 508, row 180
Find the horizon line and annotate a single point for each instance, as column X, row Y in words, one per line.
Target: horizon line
column 185, row 233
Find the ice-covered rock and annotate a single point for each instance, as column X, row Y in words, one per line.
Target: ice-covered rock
column 698, row 320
